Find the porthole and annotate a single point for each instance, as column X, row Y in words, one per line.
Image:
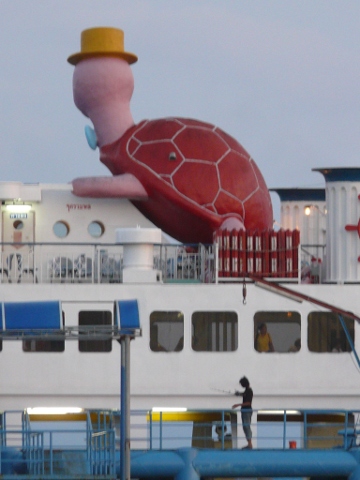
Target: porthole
column 18, row 225
column 96, row 229
column 61, row 229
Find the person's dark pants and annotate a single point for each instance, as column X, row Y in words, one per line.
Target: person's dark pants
column 246, row 422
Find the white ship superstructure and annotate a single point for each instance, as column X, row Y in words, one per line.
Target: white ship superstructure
column 198, row 325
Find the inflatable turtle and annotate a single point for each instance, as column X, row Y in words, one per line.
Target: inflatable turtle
column 186, row 176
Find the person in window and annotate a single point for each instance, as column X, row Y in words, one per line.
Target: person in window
column 296, row 347
column 246, row 409
column 263, row 341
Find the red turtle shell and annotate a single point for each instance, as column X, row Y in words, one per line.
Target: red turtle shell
column 195, row 174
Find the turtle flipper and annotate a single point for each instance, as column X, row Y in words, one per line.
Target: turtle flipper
column 232, row 223
column 118, row 186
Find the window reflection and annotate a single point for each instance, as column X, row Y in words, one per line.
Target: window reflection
column 166, row 331
column 214, row 331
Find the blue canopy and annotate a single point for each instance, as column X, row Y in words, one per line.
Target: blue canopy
column 32, row 315
column 127, row 314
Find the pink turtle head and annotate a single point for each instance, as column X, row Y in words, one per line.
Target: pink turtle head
column 103, row 82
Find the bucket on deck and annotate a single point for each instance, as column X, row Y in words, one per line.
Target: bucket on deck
column 292, row 444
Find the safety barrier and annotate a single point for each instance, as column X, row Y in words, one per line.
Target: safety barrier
column 99, row 263
column 50, row 446
column 285, row 443
column 270, row 253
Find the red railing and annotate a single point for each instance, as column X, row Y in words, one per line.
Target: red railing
column 268, row 253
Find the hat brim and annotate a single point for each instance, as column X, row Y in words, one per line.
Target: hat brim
column 77, row 57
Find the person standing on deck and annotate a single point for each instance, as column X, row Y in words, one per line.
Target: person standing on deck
column 246, row 409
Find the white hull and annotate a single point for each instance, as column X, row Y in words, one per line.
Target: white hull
column 179, row 379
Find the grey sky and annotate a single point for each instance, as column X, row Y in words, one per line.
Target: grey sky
column 281, row 76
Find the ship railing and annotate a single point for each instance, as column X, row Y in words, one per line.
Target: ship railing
column 222, row 429
column 60, row 263
column 99, row 263
column 185, row 263
column 57, row 446
column 101, row 442
column 84, row 446
column 313, row 263
column 103, row 263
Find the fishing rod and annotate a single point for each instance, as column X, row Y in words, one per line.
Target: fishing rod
column 228, row 392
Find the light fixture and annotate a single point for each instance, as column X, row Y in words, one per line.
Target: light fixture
column 169, row 409
column 53, row 410
column 309, row 208
column 18, row 207
column 278, row 412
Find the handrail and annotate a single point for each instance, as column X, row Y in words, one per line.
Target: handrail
column 78, row 333
column 93, row 262
column 280, row 430
column 274, row 428
column 54, row 262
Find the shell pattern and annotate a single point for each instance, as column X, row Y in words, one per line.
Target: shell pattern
column 200, row 161
column 201, row 167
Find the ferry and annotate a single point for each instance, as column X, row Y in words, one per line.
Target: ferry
column 200, row 306
column 71, row 262
column 76, row 257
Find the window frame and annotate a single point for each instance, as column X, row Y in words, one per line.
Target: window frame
column 217, row 337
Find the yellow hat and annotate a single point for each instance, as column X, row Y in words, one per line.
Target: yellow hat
column 102, row 41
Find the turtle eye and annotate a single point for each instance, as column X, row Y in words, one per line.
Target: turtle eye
column 172, row 156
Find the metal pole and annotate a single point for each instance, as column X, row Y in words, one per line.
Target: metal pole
column 127, row 368
column 125, row 410
column 349, row 339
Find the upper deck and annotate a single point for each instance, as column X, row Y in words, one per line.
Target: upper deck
column 49, row 235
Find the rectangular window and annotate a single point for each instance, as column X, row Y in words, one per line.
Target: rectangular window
column 166, row 331
column 214, row 331
column 325, row 332
column 94, row 318
column 277, row 332
column 45, row 345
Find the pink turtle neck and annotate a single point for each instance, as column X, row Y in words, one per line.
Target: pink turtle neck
column 102, row 88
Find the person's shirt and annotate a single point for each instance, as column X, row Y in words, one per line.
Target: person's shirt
column 247, row 398
column 263, row 342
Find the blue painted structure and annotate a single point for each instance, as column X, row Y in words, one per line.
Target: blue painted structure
column 38, row 455
column 192, row 464
column 127, row 317
column 34, row 459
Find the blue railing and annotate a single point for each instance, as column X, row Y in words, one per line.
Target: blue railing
column 37, row 448
column 271, row 429
column 88, row 450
